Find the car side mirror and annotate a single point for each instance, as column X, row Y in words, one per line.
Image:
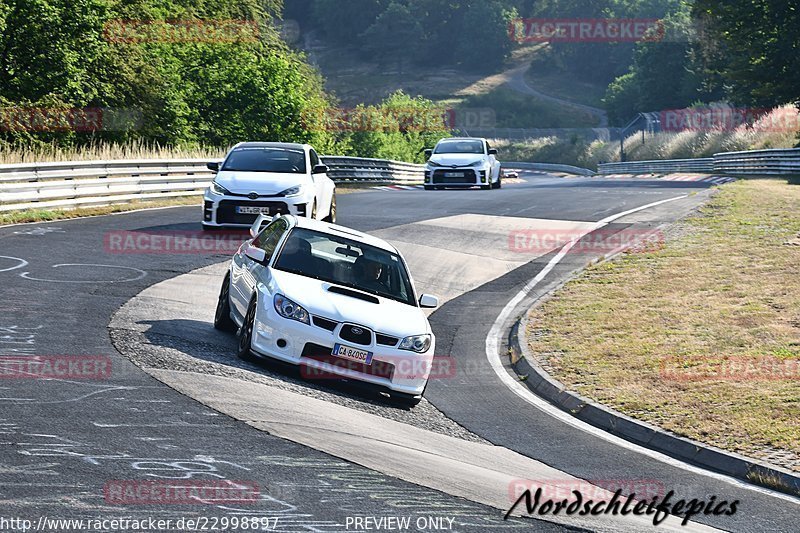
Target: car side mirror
column 256, row 254
column 213, row 166
column 428, row 153
column 320, row 169
column 428, row 301
column 255, row 229
column 492, row 151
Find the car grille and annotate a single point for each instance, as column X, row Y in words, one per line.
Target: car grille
column 439, row 176
column 226, row 212
column 324, row 323
column 386, row 340
column 356, row 334
column 323, row 354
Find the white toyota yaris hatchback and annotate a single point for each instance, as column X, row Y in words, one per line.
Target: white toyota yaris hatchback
column 271, row 179
column 335, row 301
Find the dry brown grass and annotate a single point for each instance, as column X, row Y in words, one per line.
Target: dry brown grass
column 132, row 150
column 662, row 336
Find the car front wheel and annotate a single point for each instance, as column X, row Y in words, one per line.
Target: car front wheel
column 222, row 316
column 245, row 334
column 331, row 218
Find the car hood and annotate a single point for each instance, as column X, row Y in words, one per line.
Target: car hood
column 260, row 182
column 457, row 159
column 389, row 316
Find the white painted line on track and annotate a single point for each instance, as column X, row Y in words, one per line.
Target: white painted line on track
column 22, row 263
column 493, row 355
column 140, row 274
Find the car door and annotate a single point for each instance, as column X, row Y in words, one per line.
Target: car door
column 319, row 185
column 495, row 164
column 247, row 272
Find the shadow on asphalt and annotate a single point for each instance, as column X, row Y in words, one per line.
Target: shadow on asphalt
column 199, row 340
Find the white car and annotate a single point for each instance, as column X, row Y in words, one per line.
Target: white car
column 462, row 162
column 336, row 302
column 271, row 179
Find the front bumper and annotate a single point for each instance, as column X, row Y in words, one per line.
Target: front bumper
column 456, row 177
column 310, row 346
column 221, row 210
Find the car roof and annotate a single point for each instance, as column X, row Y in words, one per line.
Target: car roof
column 259, row 144
column 339, row 231
column 462, row 139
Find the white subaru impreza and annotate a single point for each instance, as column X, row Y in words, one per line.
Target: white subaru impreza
column 333, row 300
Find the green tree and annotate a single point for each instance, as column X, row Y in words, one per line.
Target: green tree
column 752, row 46
column 392, row 37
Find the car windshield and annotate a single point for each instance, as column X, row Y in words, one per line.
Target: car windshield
column 459, row 147
column 266, row 159
column 346, row 262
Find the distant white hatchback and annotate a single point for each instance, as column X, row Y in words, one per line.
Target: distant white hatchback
column 333, row 300
column 462, row 162
column 270, row 179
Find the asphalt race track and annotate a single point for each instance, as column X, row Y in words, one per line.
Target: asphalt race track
column 178, row 405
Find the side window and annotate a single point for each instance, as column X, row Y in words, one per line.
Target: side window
column 268, row 239
column 314, row 159
column 488, row 147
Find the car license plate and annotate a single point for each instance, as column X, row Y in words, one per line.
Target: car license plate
column 453, row 174
column 353, row 354
column 247, row 210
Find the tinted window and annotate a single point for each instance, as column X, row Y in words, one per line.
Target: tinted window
column 260, row 159
column 268, row 239
column 459, row 147
column 346, row 262
column 314, row 159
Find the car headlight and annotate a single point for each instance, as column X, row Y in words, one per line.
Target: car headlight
column 478, row 163
column 434, row 164
column 293, row 191
column 416, row 343
column 218, row 189
column 289, row 309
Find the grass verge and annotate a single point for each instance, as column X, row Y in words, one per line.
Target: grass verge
column 43, row 215
column 701, row 337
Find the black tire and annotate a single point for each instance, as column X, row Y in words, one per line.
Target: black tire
column 245, row 333
column 487, row 187
column 429, row 187
column 331, row 218
column 499, row 183
column 222, row 316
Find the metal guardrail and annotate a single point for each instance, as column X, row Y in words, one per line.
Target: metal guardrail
column 780, row 162
column 548, row 167
column 92, row 183
column 660, row 166
column 759, row 163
